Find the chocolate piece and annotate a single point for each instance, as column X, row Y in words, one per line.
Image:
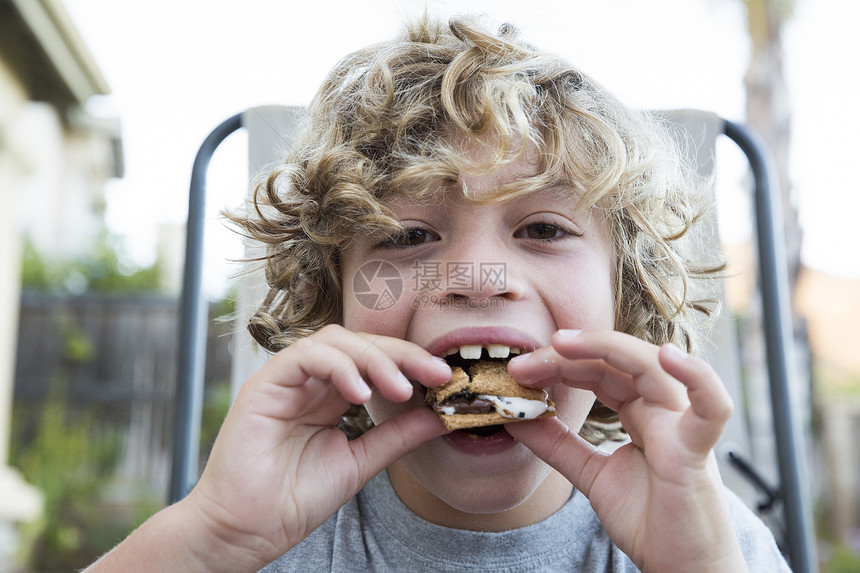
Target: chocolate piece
column 463, row 403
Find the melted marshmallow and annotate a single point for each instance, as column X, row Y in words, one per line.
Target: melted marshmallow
column 521, row 408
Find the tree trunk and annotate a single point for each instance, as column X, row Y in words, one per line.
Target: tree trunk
column 768, row 108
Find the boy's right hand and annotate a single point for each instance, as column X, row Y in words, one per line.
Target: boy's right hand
column 279, row 467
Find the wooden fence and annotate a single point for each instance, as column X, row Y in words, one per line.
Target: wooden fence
column 115, row 358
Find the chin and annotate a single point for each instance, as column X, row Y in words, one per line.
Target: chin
column 477, row 488
column 487, row 499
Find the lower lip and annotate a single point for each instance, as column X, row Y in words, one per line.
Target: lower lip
column 476, row 445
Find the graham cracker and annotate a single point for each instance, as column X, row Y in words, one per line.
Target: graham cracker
column 487, row 377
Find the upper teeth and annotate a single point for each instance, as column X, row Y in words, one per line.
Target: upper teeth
column 473, row 351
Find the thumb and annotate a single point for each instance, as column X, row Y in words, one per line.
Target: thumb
column 382, row 445
column 563, row 449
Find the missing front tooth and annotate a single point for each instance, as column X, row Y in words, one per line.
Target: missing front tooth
column 466, row 363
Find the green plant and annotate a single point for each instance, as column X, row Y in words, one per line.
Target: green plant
column 104, row 269
column 70, row 463
column 842, row 559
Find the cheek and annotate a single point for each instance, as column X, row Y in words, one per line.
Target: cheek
column 381, row 307
column 579, row 292
column 392, row 321
column 583, row 303
column 355, row 317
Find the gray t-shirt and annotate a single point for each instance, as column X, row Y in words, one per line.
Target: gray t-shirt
column 375, row 531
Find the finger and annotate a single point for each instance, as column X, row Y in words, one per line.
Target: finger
column 545, row 367
column 710, row 403
column 382, row 445
column 388, row 363
column 560, row 447
column 410, row 359
column 309, row 358
column 343, row 357
column 381, row 370
column 626, row 354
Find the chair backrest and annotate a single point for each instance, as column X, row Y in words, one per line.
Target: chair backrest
column 271, row 131
column 697, row 133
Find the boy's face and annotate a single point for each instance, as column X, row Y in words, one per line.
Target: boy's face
column 510, row 273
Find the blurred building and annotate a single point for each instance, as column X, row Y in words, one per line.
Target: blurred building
column 831, row 306
column 55, row 158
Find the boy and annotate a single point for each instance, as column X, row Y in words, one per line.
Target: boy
column 453, row 148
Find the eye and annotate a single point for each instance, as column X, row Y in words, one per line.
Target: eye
column 410, row 238
column 543, row 231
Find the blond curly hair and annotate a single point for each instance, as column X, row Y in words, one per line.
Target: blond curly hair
column 384, row 124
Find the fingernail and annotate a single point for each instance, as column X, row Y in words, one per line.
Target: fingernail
column 519, row 358
column 568, row 334
column 675, row 351
column 364, row 390
column 404, row 381
column 524, row 379
column 443, row 367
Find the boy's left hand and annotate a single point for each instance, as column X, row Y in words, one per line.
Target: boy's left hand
column 659, row 498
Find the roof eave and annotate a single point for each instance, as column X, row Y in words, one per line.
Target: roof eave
column 54, row 31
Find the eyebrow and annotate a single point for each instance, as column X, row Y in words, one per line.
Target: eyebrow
column 559, row 191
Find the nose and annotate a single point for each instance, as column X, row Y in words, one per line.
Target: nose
column 480, row 270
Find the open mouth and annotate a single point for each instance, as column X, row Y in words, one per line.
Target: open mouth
column 485, row 431
column 465, row 402
column 481, row 395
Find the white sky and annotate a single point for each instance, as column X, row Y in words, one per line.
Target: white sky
column 177, row 68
